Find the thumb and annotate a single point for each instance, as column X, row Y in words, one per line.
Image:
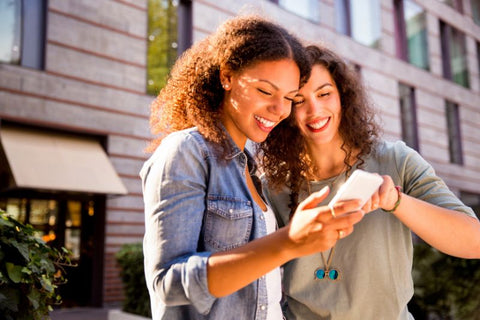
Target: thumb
column 314, row 199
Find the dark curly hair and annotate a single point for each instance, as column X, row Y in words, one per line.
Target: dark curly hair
column 193, row 93
column 283, row 155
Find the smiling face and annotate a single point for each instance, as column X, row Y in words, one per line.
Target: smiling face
column 318, row 108
column 258, row 98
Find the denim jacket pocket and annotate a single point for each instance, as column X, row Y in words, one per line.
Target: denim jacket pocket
column 228, row 223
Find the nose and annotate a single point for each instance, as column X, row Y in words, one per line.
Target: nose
column 313, row 106
column 281, row 107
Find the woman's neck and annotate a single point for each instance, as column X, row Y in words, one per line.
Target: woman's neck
column 328, row 159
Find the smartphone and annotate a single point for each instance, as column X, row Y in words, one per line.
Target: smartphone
column 360, row 185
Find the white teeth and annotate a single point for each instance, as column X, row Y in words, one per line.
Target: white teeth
column 265, row 122
column 319, row 124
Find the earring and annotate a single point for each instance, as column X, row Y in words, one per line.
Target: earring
column 226, row 86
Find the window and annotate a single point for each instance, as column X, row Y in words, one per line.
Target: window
column 22, row 32
column 454, row 57
column 454, row 137
column 308, row 9
column 455, row 4
column 411, row 33
column 359, row 19
column 408, row 114
column 475, row 5
column 169, row 34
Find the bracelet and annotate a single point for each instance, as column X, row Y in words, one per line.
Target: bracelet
column 399, row 193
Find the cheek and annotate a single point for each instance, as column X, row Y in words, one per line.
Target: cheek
column 299, row 116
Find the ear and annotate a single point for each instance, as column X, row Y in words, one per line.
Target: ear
column 226, row 78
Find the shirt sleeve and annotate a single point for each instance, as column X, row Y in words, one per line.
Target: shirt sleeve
column 420, row 181
column 174, row 190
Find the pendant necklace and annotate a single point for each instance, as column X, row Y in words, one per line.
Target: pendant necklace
column 327, row 272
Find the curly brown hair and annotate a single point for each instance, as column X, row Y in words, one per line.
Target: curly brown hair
column 193, row 94
column 283, row 155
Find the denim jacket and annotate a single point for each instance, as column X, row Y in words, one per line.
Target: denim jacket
column 197, row 203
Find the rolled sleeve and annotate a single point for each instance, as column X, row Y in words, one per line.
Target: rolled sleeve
column 174, row 186
column 195, row 279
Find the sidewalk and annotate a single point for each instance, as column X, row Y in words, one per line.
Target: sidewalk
column 80, row 314
column 90, row 313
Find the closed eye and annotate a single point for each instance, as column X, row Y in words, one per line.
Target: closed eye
column 264, row 92
column 298, row 102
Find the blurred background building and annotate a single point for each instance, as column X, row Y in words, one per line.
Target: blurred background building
column 77, row 78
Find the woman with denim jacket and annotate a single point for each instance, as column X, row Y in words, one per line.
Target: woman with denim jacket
column 211, row 246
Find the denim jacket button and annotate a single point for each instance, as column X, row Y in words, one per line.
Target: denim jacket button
column 230, row 210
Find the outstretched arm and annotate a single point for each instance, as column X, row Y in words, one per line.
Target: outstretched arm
column 311, row 230
column 449, row 231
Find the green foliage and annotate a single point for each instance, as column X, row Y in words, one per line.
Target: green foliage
column 30, row 272
column 137, row 300
column 162, row 42
column 445, row 287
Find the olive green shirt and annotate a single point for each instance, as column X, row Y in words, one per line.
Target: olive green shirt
column 375, row 261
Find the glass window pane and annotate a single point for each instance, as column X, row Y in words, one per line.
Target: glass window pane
column 308, row 8
column 475, row 5
column 162, row 42
column 33, row 35
column 458, row 58
column 416, row 33
column 74, row 214
column 43, row 212
column 342, row 17
column 365, row 22
column 72, row 241
column 454, row 138
column 16, row 208
column 10, row 31
column 408, row 116
column 454, row 55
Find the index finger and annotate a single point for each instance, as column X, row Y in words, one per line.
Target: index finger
column 346, row 206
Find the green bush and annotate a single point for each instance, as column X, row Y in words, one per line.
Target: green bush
column 445, row 287
column 137, row 300
column 30, row 272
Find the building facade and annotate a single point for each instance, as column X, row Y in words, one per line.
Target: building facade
column 79, row 73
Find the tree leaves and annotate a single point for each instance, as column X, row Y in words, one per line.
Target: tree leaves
column 30, row 272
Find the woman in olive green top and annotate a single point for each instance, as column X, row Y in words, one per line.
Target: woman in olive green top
column 366, row 275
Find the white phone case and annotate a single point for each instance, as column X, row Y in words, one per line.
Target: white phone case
column 360, row 185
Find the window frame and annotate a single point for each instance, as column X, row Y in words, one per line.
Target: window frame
column 455, row 148
column 401, row 36
column 447, row 35
column 408, row 115
column 344, row 22
column 33, row 22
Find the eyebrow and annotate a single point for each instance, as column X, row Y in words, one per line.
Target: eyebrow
column 323, row 86
column 274, row 86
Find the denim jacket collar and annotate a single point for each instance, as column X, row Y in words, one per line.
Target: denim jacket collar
column 235, row 151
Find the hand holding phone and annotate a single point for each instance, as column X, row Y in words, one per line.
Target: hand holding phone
column 360, row 185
